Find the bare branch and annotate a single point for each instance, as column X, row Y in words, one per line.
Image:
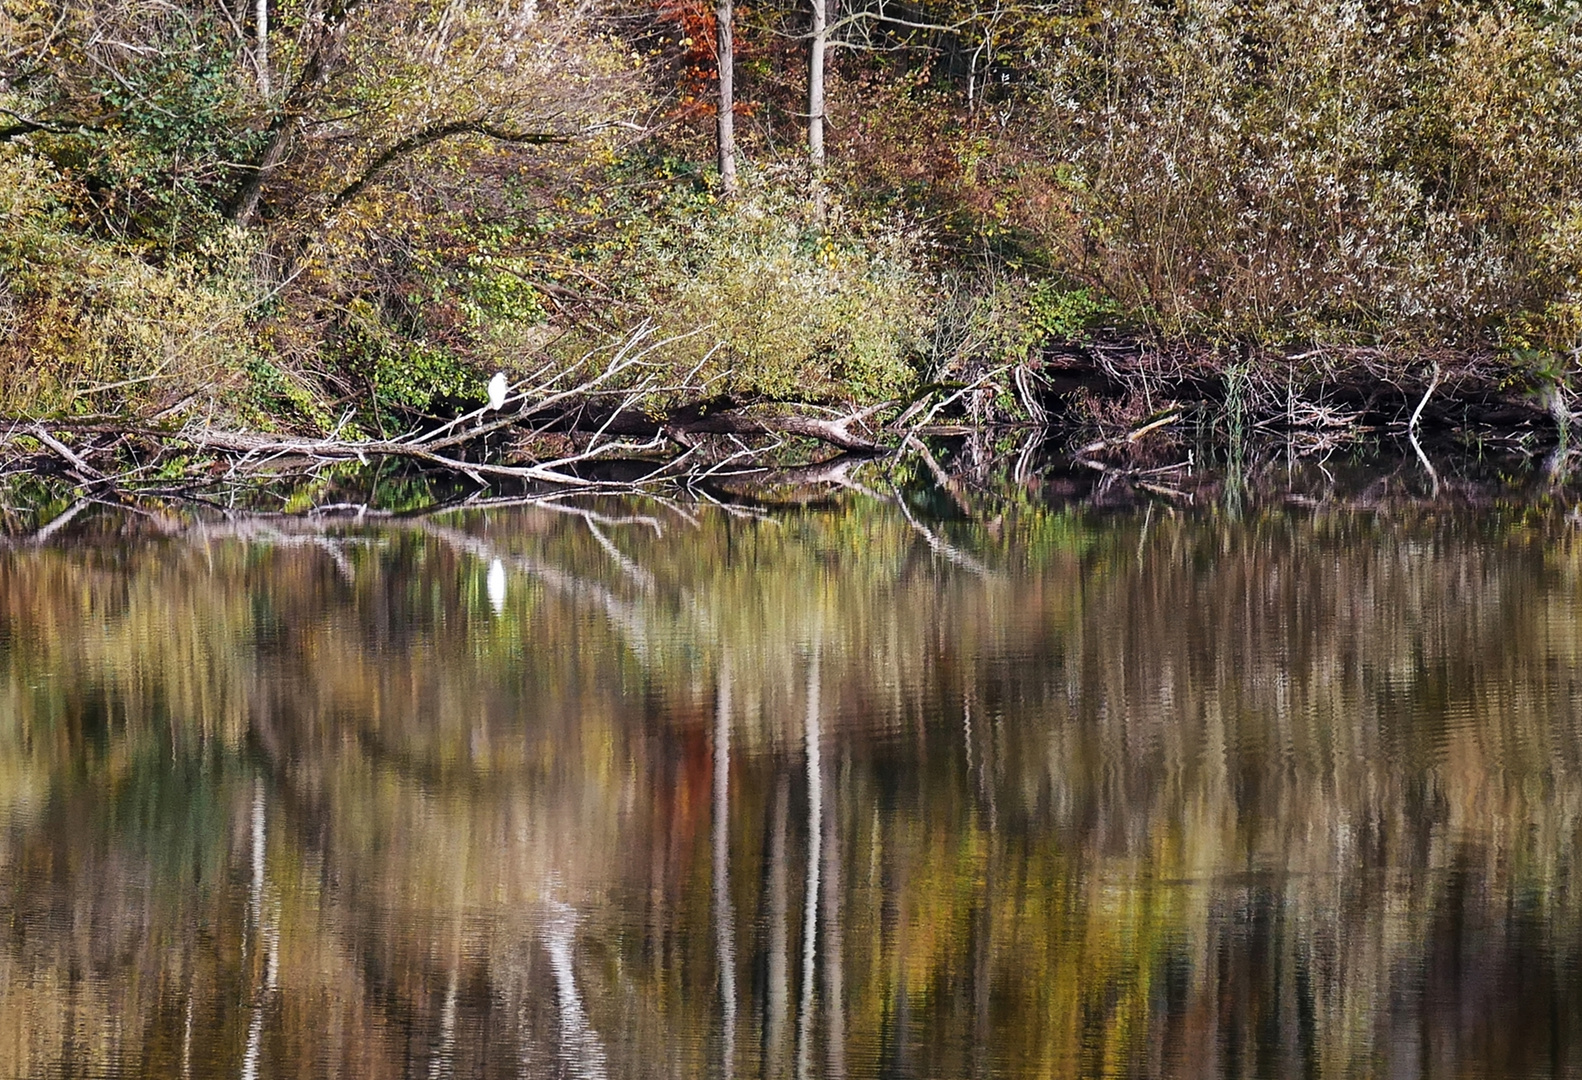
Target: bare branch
column 434, row 133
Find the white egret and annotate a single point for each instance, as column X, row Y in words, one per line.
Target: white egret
column 497, row 389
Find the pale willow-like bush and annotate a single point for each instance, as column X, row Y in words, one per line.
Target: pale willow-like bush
column 790, row 311
column 1324, row 168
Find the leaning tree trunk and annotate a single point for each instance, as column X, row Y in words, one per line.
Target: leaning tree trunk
column 321, row 51
column 815, row 104
column 727, row 115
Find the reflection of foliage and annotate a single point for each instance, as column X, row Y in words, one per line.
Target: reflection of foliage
column 1141, row 776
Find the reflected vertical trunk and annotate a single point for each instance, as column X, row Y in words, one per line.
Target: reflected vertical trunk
column 818, row 43
column 255, row 917
column 834, row 973
column 777, row 993
column 724, row 914
column 581, row 1053
column 815, row 838
column 444, row 1063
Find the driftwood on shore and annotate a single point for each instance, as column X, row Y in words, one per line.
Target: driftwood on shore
column 619, row 411
column 568, row 426
column 603, row 437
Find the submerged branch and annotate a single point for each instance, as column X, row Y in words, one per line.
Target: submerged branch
column 342, row 450
column 1417, row 413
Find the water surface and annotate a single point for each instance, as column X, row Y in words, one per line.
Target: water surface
column 869, row 785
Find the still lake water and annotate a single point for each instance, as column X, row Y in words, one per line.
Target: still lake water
column 854, row 788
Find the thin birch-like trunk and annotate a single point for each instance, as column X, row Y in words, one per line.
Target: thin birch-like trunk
column 261, row 53
column 818, row 46
column 724, row 19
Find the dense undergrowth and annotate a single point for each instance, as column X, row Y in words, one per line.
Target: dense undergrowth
column 347, row 229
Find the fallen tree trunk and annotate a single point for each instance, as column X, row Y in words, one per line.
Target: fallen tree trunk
column 725, row 416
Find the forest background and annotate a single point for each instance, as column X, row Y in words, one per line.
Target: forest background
column 337, row 217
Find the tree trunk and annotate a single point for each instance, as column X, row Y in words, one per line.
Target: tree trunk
column 727, row 115
column 252, row 190
column 244, row 204
column 815, row 103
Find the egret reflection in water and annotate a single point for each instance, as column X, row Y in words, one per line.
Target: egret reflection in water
column 788, row 791
column 496, row 586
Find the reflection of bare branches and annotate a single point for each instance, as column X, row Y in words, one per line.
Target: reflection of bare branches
column 739, row 511
column 591, row 516
column 1023, row 470
column 719, row 467
column 1433, row 474
column 677, row 509
column 751, row 499
column 836, row 470
column 624, row 616
column 642, row 577
column 947, row 484
column 632, row 620
column 1411, row 429
column 60, row 521
column 938, row 544
column 268, row 532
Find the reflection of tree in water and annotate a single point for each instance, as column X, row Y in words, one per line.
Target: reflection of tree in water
column 1188, row 799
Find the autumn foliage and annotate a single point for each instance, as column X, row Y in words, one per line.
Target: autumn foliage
column 352, row 222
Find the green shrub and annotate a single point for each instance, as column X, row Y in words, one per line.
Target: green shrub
column 782, row 308
column 93, row 327
column 992, row 318
column 1062, row 313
